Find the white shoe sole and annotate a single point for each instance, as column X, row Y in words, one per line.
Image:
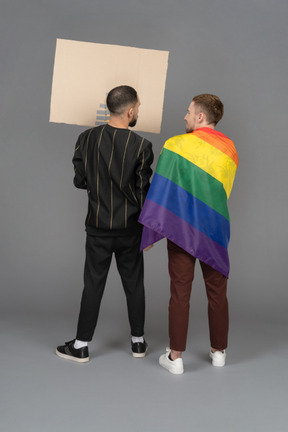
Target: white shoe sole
column 168, row 367
column 139, row 355
column 218, row 364
column 75, row 359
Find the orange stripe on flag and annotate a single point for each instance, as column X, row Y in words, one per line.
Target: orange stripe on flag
column 219, row 141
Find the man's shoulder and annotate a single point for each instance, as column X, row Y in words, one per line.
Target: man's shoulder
column 96, row 131
column 90, row 130
column 179, row 138
column 138, row 138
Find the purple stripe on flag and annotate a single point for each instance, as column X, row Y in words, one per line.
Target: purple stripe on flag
column 149, row 237
column 181, row 233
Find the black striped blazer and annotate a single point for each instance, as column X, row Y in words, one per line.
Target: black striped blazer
column 114, row 165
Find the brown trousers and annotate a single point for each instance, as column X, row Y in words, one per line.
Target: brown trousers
column 181, row 270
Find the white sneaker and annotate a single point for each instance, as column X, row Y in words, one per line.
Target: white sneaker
column 218, row 358
column 173, row 366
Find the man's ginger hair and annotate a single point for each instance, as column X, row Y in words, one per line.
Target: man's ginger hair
column 210, row 105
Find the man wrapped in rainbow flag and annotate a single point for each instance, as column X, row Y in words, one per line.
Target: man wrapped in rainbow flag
column 187, row 204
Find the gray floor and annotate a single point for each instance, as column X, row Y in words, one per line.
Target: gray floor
column 40, row 392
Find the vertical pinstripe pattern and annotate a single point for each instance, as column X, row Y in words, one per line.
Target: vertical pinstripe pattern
column 109, row 163
column 87, row 142
column 111, row 204
column 140, row 147
column 98, row 169
column 141, row 181
column 111, row 183
column 131, row 190
column 124, row 159
column 140, row 174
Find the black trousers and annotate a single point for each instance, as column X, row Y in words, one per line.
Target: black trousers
column 129, row 260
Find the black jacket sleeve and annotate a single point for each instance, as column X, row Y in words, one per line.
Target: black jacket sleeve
column 79, row 165
column 143, row 173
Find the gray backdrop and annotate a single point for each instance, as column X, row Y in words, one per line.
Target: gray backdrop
column 237, row 50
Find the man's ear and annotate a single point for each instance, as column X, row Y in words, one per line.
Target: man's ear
column 201, row 117
column 130, row 113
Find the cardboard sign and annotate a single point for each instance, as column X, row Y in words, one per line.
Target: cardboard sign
column 85, row 72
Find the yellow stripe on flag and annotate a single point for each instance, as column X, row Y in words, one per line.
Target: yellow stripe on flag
column 205, row 156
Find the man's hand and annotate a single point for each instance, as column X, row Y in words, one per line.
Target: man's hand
column 148, row 248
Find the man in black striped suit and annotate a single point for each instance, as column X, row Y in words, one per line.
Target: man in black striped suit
column 114, row 165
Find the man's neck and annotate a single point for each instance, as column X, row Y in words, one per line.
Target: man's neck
column 210, row 125
column 118, row 122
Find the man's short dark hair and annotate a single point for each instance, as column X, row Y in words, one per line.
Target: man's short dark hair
column 211, row 105
column 120, row 97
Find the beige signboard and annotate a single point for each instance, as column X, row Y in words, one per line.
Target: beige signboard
column 84, row 73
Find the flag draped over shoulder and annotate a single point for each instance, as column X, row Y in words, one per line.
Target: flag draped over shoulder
column 187, row 199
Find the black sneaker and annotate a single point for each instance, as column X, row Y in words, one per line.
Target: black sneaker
column 68, row 351
column 139, row 349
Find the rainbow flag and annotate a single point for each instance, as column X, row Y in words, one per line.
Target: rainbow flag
column 187, row 199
